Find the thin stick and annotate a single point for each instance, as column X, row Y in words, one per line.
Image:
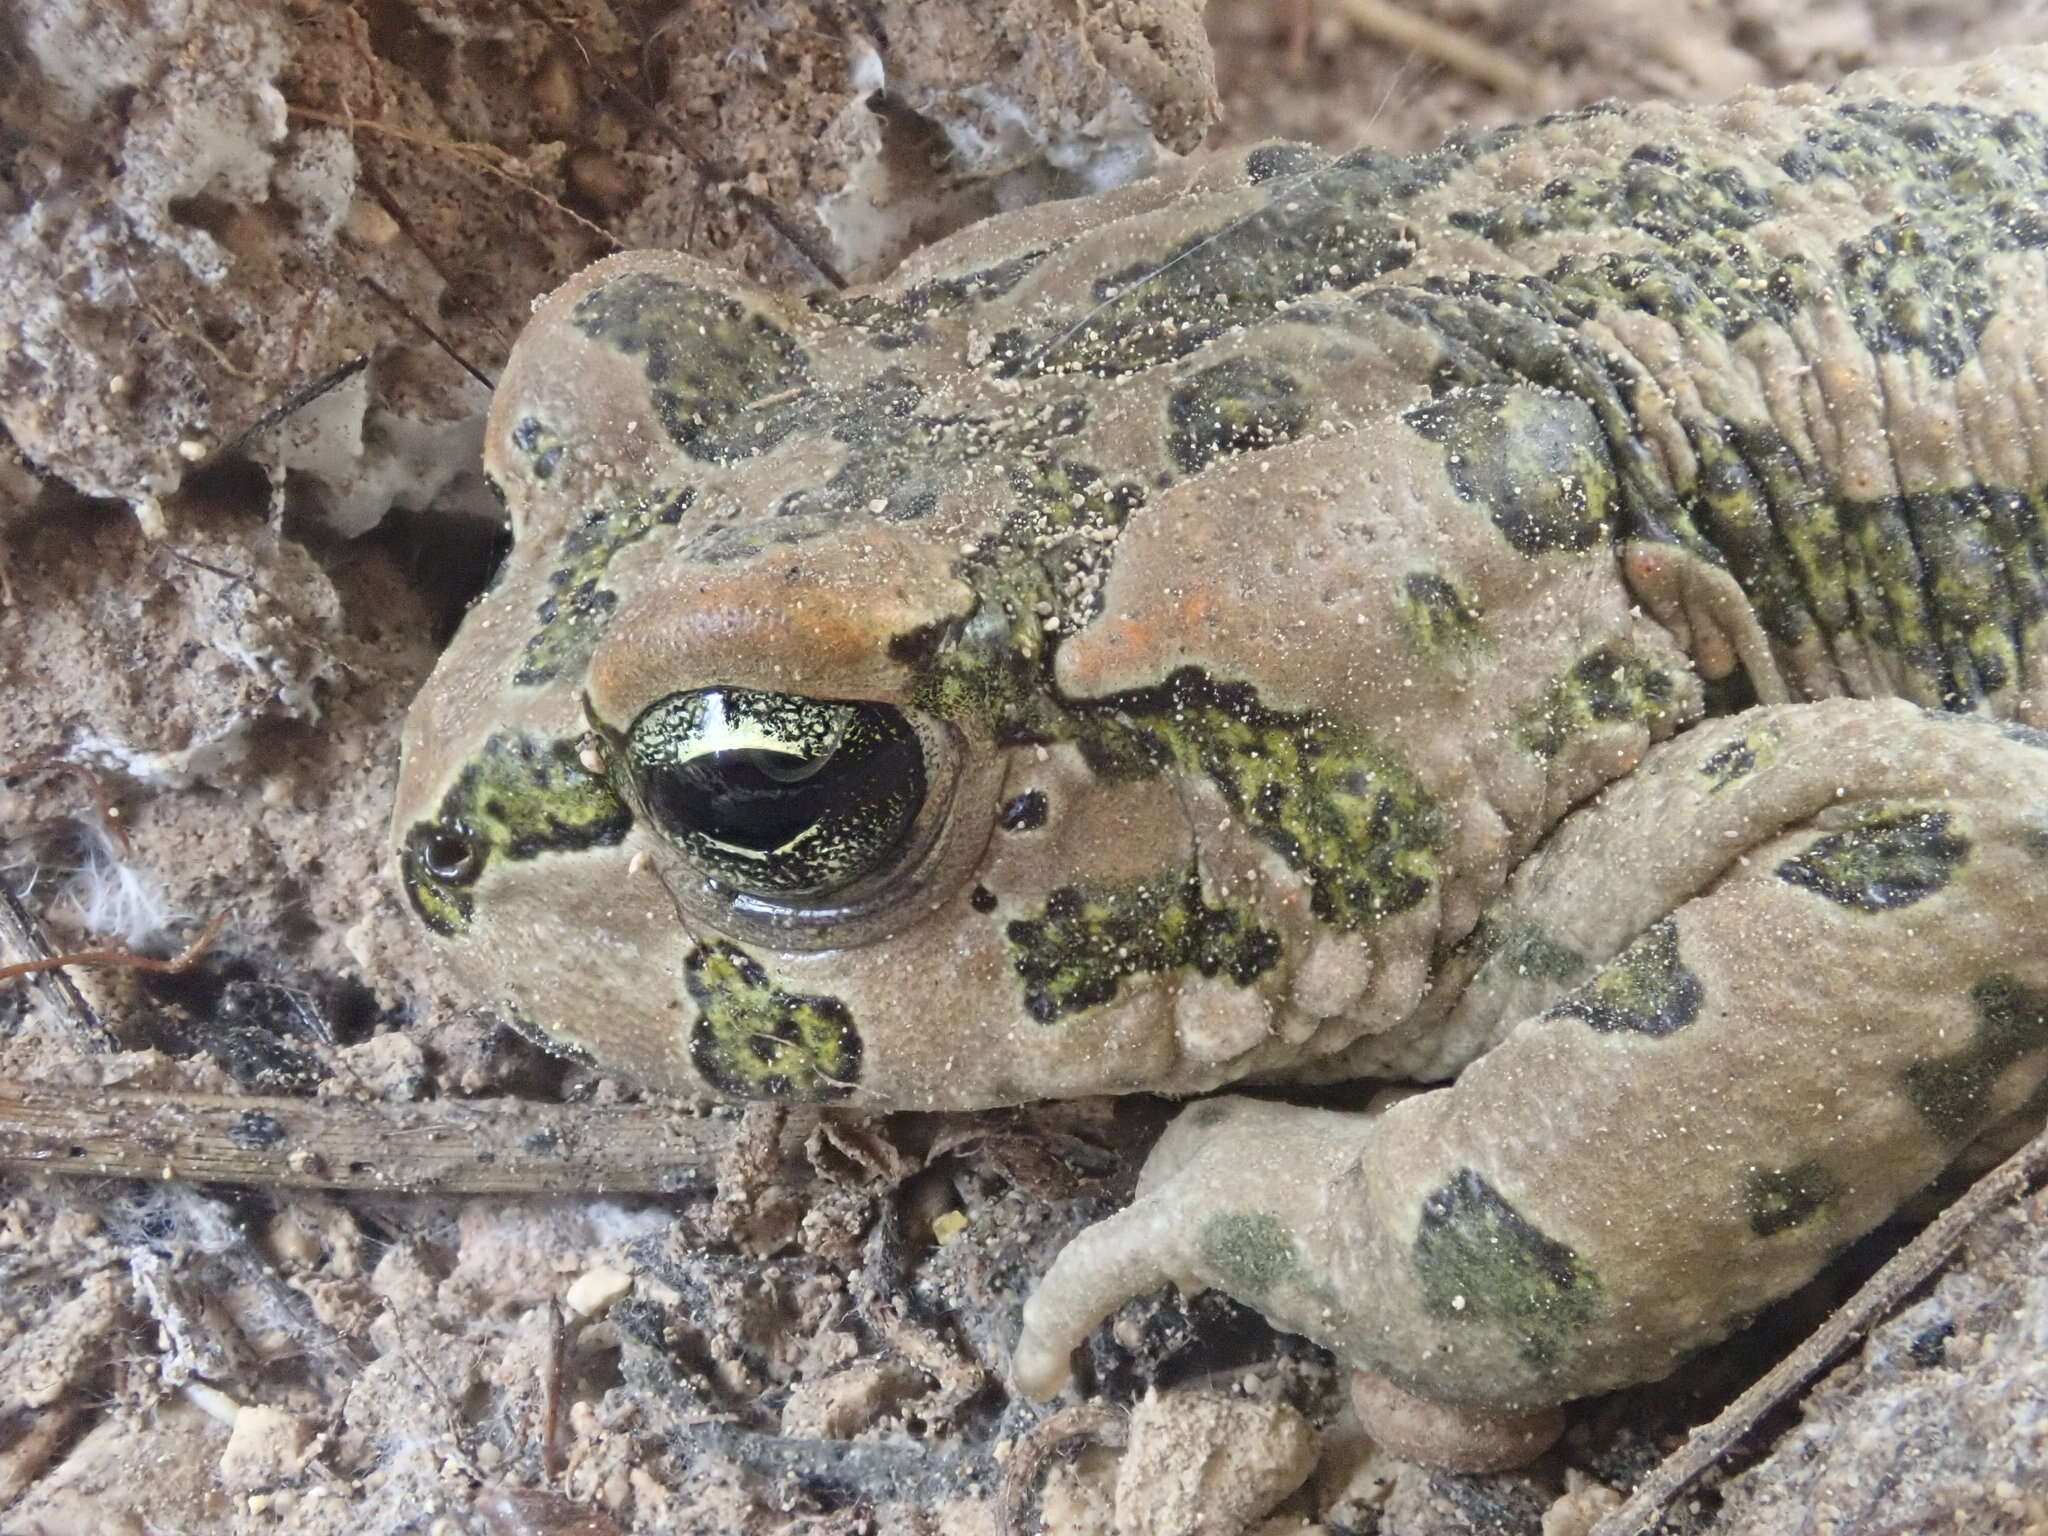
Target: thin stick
column 450, row 1147
column 56, row 996
column 1454, row 50
column 184, row 960
column 477, row 156
column 1904, row 1273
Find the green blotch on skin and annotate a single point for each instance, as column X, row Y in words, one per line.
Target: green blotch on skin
column 1735, row 761
column 1609, row 686
column 1645, row 990
column 1889, row 857
column 518, row 798
column 1236, row 406
column 1340, row 808
column 1250, row 1254
column 892, row 323
column 573, row 614
column 1781, row 1199
column 992, row 667
column 1269, row 162
column 1091, row 938
column 1660, row 189
column 540, row 445
column 1324, row 231
column 754, row 1040
column 1480, row 1261
column 723, row 375
column 1442, row 623
column 1527, row 951
column 1534, row 459
column 1954, row 1092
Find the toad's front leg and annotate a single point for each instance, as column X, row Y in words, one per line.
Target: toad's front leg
column 1832, row 982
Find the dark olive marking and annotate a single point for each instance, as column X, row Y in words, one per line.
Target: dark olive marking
column 1535, row 460
column 982, row 899
column 776, row 793
column 726, row 380
column 1781, row 1199
column 899, row 459
column 892, row 323
column 1323, row 231
column 1527, row 951
column 517, row 798
column 1890, row 856
column 755, row 1040
column 1250, row 1253
column 1660, row 189
column 1480, row 1261
column 1026, row 813
column 1946, row 582
column 1269, row 162
column 1341, row 808
column 1736, row 760
column 1973, row 185
column 1046, row 563
column 544, row 1143
column 1647, row 989
column 1336, row 804
column 1612, row 685
column 1441, row 621
column 1954, row 1092
column 255, row 1130
column 573, row 614
column 542, row 447
column 1236, row 406
column 1091, row 938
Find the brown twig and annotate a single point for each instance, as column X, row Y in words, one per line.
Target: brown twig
column 1906, row 1271
column 184, row 960
column 449, row 1147
column 56, row 996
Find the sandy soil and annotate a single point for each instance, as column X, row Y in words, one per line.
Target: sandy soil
column 214, row 210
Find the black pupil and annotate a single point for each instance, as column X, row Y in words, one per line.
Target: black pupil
column 820, row 796
column 749, row 799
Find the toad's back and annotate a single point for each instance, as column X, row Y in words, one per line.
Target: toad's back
column 1794, row 344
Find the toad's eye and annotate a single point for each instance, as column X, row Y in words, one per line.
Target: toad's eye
column 775, row 794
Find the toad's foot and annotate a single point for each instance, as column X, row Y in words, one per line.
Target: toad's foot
column 1226, row 1196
